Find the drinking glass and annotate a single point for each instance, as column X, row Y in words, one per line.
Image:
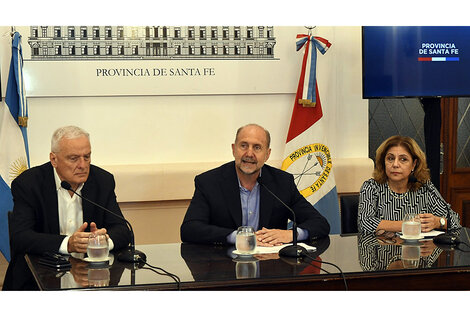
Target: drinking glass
column 98, row 248
column 410, row 256
column 98, row 277
column 245, row 240
column 411, row 226
column 246, row 269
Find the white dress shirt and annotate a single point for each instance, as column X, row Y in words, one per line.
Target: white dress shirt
column 70, row 214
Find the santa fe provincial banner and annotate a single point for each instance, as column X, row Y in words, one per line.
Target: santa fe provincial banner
column 307, row 155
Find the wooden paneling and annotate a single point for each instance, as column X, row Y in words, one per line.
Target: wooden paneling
column 455, row 182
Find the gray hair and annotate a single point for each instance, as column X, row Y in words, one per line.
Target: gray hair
column 68, row 132
column 268, row 136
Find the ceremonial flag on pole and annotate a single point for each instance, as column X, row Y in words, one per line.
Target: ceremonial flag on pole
column 14, row 156
column 307, row 155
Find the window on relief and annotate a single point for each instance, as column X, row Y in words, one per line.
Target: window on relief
column 249, row 33
column 237, row 33
column 108, row 33
column 270, row 33
column 96, row 33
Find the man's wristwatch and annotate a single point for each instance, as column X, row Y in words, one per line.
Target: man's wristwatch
column 442, row 221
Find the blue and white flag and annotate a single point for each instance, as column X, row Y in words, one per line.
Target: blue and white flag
column 14, row 156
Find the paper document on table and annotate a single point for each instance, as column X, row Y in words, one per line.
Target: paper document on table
column 432, row 233
column 275, row 249
column 429, row 234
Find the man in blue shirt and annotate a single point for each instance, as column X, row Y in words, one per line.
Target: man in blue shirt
column 230, row 196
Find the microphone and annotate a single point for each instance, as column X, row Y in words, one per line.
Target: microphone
column 412, row 179
column 442, row 240
column 128, row 255
column 294, row 250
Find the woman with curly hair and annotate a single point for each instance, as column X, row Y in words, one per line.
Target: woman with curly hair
column 401, row 185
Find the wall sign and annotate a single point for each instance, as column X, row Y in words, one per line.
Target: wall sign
column 174, row 60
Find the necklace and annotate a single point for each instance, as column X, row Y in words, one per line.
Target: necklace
column 397, row 195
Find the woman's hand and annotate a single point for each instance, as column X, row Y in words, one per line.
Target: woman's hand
column 429, row 222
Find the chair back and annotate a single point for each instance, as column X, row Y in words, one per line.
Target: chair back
column 349, row 205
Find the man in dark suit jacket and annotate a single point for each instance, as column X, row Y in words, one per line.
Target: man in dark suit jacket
column 35, row 226
column 216, row 209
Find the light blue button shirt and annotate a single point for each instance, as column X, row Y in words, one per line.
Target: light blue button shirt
column 250, row 212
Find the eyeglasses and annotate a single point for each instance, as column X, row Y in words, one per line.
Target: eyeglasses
column 386, row 237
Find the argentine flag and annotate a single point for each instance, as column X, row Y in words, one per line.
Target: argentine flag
column 14, row 158
column 306, row 154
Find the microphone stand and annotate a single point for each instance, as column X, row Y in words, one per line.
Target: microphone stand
column 294, row 250
column 447, row 239
column 130, row 254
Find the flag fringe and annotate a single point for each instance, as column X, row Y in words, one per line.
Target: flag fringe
column 306, row 103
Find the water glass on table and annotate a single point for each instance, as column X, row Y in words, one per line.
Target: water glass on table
column 411, row 226
column 245, row 240
column 98, row 248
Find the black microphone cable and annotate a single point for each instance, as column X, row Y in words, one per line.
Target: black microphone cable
column 319, row 267
column 136, row 256
column 156, row 270
column 334, row 265
column 127, row 255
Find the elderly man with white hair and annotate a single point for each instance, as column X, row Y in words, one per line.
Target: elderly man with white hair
column 48, row 218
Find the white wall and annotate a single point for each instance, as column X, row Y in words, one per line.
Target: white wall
column 169, row 129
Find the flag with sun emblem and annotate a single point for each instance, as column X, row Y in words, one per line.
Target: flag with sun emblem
column 14, row 157
column 307, row 155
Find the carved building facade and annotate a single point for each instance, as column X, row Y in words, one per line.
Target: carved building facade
column 151, row 42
